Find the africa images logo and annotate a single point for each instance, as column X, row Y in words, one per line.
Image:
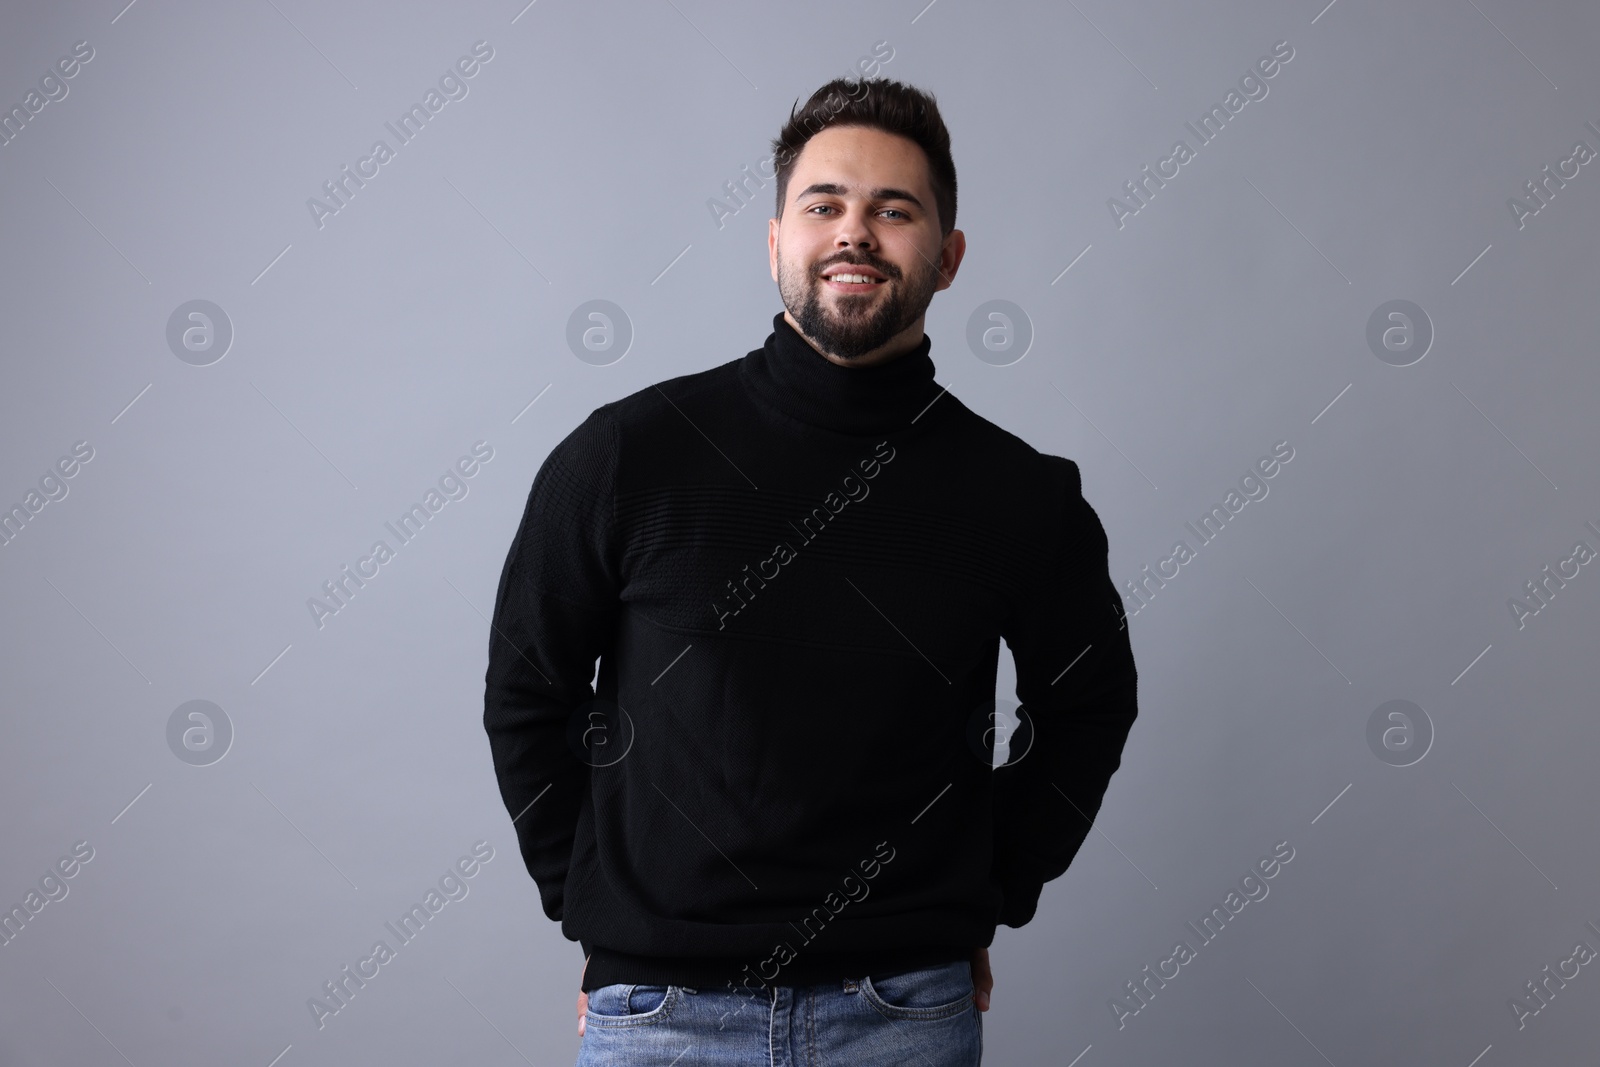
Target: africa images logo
column 854, row 489
column 452, row 84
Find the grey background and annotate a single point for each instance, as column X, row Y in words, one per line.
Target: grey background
column 1227, row 315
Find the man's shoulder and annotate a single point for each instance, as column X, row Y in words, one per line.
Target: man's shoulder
column 639, row 410
column 1009, row 458
column 643, row 413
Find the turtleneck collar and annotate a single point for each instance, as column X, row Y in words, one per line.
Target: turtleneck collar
column 790, row 375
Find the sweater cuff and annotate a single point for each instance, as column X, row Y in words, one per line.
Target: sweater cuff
column 1019, row 900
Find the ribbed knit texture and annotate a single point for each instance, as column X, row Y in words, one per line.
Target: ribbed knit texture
column 795, row 577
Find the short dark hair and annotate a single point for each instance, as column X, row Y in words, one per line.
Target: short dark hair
column 878, row 103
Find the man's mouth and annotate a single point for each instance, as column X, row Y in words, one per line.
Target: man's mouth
column 853, row 279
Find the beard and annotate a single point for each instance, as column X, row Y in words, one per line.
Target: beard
column 849, row 325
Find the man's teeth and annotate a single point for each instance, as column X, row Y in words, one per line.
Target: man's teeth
column 854, row 278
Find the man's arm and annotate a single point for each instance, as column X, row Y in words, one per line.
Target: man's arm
column 1076, row 682
column 553, row 616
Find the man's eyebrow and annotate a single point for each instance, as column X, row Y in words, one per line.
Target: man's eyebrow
column 835, row 189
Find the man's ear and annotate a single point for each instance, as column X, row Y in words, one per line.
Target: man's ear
column 772, row 247
column 950, row 256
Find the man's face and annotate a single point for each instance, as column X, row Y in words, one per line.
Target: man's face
column 859, row 200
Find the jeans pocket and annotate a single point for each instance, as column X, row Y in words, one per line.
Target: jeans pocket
column 631, row 1005
column 929, row 993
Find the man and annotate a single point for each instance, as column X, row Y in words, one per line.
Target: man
column 774, row 823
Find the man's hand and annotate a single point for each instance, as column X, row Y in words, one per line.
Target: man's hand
column 583, row 998
column 982, row 980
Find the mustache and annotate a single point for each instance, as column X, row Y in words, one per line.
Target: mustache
column 884, row 269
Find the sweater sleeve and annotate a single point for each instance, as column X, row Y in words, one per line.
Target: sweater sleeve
column 1077, row 685
column 554, row 615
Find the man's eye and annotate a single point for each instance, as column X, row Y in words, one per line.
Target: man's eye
column 829, row 207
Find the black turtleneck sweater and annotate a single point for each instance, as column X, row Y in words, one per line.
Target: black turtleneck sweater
column 795, row 577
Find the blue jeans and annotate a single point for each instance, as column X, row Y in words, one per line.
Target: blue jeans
column 925, row 1017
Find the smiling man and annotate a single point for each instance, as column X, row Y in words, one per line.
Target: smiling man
column 774, row 821
column 861, row 254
